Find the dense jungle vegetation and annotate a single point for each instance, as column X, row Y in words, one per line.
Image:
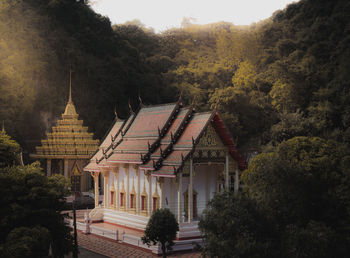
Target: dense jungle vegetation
column 283, row 77
column 281, row 85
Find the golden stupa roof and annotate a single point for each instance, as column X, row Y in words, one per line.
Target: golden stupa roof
column 69, row 139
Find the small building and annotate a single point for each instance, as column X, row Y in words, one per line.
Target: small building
column 68, row 148
column 165, row 156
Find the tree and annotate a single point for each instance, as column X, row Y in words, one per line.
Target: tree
column 24, row 242
column 295, row 204
column 233, row 226
column 9, row 150
column 303, row 186
column 161, row 227
column 32, row 201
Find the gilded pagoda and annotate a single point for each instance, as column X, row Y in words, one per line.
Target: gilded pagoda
column 67, row 149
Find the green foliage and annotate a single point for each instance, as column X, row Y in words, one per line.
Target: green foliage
column 9, row 151
column 31, row 199
column 260, row 75
column 295, row 203
column 233, row 226
column 303, row 186
column 27, row 242
column 161, row 227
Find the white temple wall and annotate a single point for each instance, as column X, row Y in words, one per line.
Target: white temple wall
column 167, row 193
column 199, row 186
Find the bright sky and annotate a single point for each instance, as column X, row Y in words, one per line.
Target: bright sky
column 166, row 14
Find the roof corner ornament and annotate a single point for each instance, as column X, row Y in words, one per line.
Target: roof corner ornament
column 161, row 151
column 154, row 164
column 140, row 100
column 193, row 141
column 172, row 137
column 193, row 104
column 116, row 113
column 182, row 158
column 96, row 161
column 216, row 106
column 159, row 132
column 149, row 146
column 130, row 108
column 180, row 97
column 174, row 169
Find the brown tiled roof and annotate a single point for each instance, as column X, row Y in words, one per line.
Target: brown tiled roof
column 150, row 120
column 160, row 138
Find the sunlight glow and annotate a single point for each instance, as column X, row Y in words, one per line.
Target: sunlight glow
column 166, row 14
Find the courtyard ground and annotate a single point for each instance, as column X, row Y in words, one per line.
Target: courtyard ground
column 111, row 248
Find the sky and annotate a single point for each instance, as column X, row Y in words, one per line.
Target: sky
column 166, row 14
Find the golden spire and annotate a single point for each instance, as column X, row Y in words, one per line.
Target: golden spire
column 3, row 126
column 70, row 86
column 70, row 108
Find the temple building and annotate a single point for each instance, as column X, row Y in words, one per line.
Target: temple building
column 68, row 148
column 163, row 156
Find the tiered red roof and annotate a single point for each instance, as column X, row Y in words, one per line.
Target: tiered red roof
column 160, row 138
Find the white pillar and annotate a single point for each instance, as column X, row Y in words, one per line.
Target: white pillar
column 236, row 186
column 116, row 176
column 66, row 168
column 127, row 199
column 179, row 199
column 172, row 196
column 138, row 194
column 48, row 167
column 106, row 188
column 190, row 193
column 207, row 185
column 227, row 181
column 161, row 186
column 117, row 195
column 97, row 195
column 149, row 195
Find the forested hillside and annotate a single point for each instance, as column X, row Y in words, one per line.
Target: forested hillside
column 283, row 77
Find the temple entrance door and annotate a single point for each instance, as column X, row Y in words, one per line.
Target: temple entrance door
column 76, row 178
column 75, row 181
column 194, row 204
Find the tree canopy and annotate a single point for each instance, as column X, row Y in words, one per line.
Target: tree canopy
column 161, row 227
column 30, row 208
column 295, row 203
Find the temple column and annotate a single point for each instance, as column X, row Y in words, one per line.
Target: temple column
column 149, row 177
column 236, row 186
column 48, row 167
column 207, row 185
column 95, row 176
column 106, row 188
column 116, row 175
column 190, row 193
column 179, row 199
column 172, row 196
column 127, row 197
column 138, row 194
column 161, row 186
column 66, row 168
column 227, row 180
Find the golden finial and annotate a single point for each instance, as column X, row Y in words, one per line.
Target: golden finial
column 3, row 126
column 70, row 86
